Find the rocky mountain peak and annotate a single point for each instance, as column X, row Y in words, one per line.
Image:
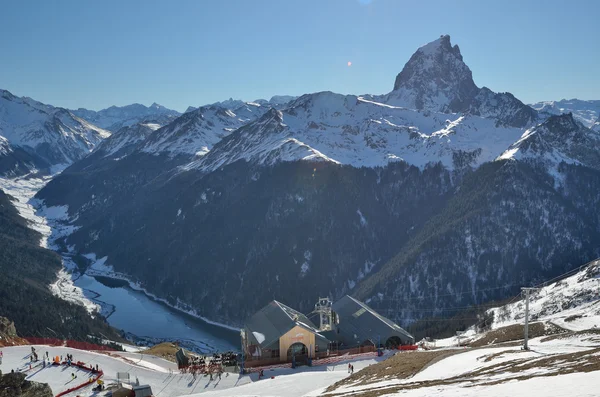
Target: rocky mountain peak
column 271, row 116
column 435, row 78
column 562, row 123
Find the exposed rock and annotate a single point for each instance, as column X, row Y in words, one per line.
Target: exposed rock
column 7, row 328
column 437, row 79
column 15, row 385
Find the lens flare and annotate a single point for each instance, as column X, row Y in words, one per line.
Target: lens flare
column 349, row 63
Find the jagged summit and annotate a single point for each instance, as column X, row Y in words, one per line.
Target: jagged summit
column 114, row 118
column 437, row 79
column 562, row 123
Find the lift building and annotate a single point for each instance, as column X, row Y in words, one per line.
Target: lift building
column 358, row 324
column 278, row 331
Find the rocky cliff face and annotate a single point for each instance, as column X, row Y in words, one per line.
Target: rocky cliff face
column 15, row 385
column 437, row 79
column 7, row 328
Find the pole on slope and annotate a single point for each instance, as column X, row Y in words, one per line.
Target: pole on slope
column 242, row 344
column 526, row 291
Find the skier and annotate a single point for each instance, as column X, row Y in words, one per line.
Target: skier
column 349, row 366
column 47, row 356
column 352, row 369
column 73, row 376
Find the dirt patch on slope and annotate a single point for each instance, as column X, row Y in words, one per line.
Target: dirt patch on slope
column 515, row 332
column 401, row 366
column 559, row 364
column 165, row 350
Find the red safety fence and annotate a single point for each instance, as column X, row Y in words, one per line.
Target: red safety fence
column 88, row 346
column 88, row 382
column 45, row 341
column 268, row 367
column 250, row 362
column 69, row 343
column 408, row 347
column 337, row 359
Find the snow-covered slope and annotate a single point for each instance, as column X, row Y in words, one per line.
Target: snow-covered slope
column 572, row 302
column 125, row 140
column 558, row 139
column 116, row 117
column 437, row 79
column 47, row 135
column 352, row 130
column 586, row 112
column 196, row 131
column 166, row 380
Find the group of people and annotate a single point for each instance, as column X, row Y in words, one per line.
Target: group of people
column 33, row 356
column 229, row 359
column 211, row 365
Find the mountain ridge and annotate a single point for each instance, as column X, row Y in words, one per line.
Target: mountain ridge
column 40, row 137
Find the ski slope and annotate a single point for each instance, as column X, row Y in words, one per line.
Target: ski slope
column 155, row 371
column 553, row 367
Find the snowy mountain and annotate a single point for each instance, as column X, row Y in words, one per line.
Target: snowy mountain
column 35, row 136
column 345, row 129
column 437, row 79
column 586, row 112
column 560, row 139
column 195, row 132
column 126, row 139
column 572, row 302
column 276, row 101
column 438, row 188
column 116, row 117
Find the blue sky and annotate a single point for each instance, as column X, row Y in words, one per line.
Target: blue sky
column 95, row 54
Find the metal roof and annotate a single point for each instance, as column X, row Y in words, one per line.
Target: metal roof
column 274, row 320
column 359, row 323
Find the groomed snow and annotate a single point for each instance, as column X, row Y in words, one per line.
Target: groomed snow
column 155, row 371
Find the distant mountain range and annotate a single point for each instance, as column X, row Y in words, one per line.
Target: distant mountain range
column 586, row 112
column 35, row 137
column 115, row 117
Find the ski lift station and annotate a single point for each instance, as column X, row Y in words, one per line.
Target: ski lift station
column 278, row 333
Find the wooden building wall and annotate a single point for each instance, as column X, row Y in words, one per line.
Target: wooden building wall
column 295, row 335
